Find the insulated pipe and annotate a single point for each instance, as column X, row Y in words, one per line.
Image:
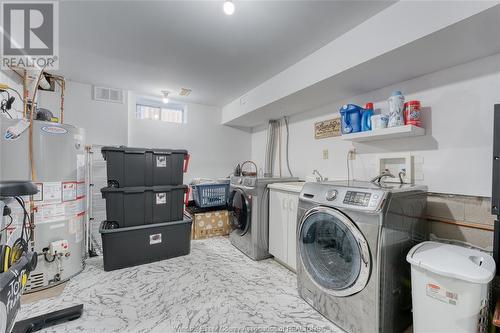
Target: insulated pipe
column 287, row 145
column 62, row 84
column 266, row 156
column 268, row 165
column 279, row 147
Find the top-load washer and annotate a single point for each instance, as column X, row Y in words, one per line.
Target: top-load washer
column 249, row 207
column 352, row 240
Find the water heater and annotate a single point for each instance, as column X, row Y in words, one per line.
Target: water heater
column 59, row 208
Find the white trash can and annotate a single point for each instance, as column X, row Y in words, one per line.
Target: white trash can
column 450, row 287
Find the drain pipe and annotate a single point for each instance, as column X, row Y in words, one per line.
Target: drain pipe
column 271, row 142
column 287, row 145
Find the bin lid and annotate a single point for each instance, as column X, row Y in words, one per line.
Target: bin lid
column 140, row 189
column 143, row 150
column 453, row 261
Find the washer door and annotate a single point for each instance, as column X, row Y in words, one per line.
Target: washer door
column 333, row 251
column 239, row 206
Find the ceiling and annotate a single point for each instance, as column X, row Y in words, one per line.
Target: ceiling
column 149, row 46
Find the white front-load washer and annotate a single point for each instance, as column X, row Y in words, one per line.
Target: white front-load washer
column 249, row 214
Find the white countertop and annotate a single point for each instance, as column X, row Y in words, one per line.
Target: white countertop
column 295, row 187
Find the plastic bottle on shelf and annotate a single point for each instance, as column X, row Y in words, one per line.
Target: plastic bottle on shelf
column 350, row 118
column 396, row 105
column 366, row 117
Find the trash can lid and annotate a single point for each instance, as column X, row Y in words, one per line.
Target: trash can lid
column 453, row 261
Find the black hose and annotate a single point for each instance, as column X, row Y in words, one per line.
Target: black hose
column 8, row 225
column 25, row 217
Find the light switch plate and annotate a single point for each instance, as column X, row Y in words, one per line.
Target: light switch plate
column 325, row 154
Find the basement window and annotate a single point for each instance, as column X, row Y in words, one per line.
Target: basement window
column 171, row 114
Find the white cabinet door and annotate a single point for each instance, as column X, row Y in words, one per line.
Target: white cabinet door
column 293, row 199
column 278, row 219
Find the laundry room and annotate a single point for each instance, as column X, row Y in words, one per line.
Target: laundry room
column 249, row 166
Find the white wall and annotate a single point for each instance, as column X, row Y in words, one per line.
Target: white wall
column 215, row 149
column 456, row 151
column 104, row 123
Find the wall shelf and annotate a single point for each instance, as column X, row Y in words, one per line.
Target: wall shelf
column 385, row 133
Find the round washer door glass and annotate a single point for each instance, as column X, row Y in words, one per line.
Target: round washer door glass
column 334, row 252
column 240, row 211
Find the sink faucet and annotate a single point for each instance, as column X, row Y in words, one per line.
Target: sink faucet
column 402, row 175
column 384, row 174
column 320, row 177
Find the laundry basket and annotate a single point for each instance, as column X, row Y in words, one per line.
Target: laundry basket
column 210, row 194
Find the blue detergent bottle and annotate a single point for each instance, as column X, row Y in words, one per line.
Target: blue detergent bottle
column 366, row 118
column 350, row 118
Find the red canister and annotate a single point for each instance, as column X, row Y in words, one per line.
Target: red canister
column 412, row 113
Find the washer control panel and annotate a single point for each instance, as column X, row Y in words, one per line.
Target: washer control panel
column 361, row 199
column 250, row 182
column 244, row 181
column 356, row 198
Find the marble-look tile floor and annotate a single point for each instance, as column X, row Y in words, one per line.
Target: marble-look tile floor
column 214, row 289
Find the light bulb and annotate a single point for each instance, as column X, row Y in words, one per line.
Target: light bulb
column 228, row 7
column 165, row 96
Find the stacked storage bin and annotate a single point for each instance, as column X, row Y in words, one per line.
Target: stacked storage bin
column 145, row 219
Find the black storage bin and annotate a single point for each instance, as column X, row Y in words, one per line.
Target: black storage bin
column 133, row 206
column 129, row 167
column 126, row 247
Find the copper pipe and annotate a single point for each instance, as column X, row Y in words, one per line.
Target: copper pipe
column 461, row 223
column 25, row 94
column 61, row 81
column 62, row 84
column 63, row 87
column 32, row 160
column 15, row 71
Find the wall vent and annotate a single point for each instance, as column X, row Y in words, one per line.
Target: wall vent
column 185, row 92
column 104, row 94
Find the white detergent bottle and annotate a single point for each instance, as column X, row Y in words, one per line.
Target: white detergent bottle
column 396, row 105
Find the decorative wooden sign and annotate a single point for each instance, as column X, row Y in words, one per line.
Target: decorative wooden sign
column 327, row 129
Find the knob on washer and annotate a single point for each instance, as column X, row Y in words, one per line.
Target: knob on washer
column 331, row 195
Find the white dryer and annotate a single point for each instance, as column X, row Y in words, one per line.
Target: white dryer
column 352, row 239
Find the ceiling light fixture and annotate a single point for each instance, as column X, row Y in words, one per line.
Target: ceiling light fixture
column 228, row 7
column 165, row 96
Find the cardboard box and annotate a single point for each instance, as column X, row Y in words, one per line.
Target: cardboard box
column 211, row 224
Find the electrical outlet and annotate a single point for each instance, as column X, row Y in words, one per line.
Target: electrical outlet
column 325, row 154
